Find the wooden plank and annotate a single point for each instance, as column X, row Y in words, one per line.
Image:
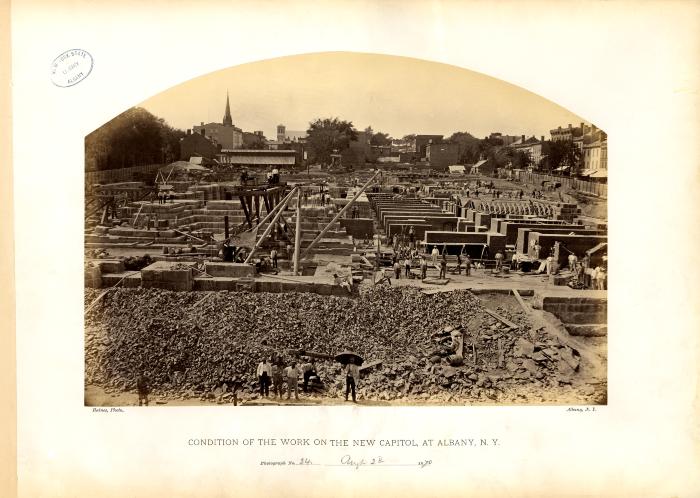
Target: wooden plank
column 524, row 306
column 202, row 300
column 502, row 319
column 500, row 352
column 245, row 210
column 370, row 365
column 97, row 299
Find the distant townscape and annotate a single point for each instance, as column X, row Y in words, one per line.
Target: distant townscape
column 574, row 151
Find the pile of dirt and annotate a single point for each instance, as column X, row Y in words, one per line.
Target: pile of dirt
column 190, row 343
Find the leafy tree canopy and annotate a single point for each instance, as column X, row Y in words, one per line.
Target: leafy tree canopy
column 326, row 135
column 133, row 138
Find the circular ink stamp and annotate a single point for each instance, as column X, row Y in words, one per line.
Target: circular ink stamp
column 71, row 67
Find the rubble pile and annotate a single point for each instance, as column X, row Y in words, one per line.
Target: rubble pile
column 190, row 343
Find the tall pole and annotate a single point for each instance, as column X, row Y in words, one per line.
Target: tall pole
column 269, row 227
column 340, row 213
column 297, row 235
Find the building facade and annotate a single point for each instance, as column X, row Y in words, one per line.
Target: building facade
column 225, row 133
column 197, row 144
column 530, row 146
column 442, row 155
column 591, row 141
column 506, row 139
column 422, row 142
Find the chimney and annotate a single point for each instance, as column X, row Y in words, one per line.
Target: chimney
column 569, row 125
column 202, row 131
column 583, row 130
column 522, row 139
column 189, row 132
column 201, row 123
column 542, row 138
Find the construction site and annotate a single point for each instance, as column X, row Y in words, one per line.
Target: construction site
column 443, row 289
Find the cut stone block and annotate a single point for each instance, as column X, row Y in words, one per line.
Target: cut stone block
column 233, row 270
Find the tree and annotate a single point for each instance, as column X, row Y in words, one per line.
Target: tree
column 135, row 137
column 326, row 135
column 469, row 149
column 253, row 141
column 380, row 138
column 560, row 153
column 519, row 159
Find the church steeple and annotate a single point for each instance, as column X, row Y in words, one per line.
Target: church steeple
column 227, row 115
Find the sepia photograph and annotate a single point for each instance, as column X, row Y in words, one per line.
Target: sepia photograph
column 337, row 228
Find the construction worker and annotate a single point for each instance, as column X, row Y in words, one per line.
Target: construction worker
column 467, row 265
column 278, row 378
column 435, row 253
column 273, row 257
column 459, row 264
column 423, row 267
column 536, row 250
column 443, row 265
column 352, row 375
column 407, row 264
column 308, row 370
column 292, row 374
column 264, row 376
column 143, row 388
column 397, row 269
column 499, row 260
column 599, row 278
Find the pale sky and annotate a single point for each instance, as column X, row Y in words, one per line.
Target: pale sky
column 395, row 95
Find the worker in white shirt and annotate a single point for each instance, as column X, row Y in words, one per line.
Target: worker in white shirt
column 264, row 376
column 352, row 375
column 599, row 278
column 499, row 260
column 292, row 373
column 573, row 259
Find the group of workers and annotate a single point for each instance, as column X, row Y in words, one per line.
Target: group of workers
column 404, row 258
column 273, row 372
column 164, row 197
column 579, row 270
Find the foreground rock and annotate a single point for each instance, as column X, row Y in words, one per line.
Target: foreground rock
column 190, row 344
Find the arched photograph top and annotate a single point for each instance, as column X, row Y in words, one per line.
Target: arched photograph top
column 339, row 227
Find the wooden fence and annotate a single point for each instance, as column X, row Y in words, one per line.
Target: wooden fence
column 120, row 175
column 594, row 188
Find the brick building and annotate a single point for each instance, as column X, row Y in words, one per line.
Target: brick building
column 422, row 142
column 224, row 133
column 442, row 155
column 196, row 144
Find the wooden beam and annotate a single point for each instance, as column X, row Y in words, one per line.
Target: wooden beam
column 502, row 319
column 245, row 210
column 269, row 227
column 524, row 306
column 297, row 235
column 340, row 213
